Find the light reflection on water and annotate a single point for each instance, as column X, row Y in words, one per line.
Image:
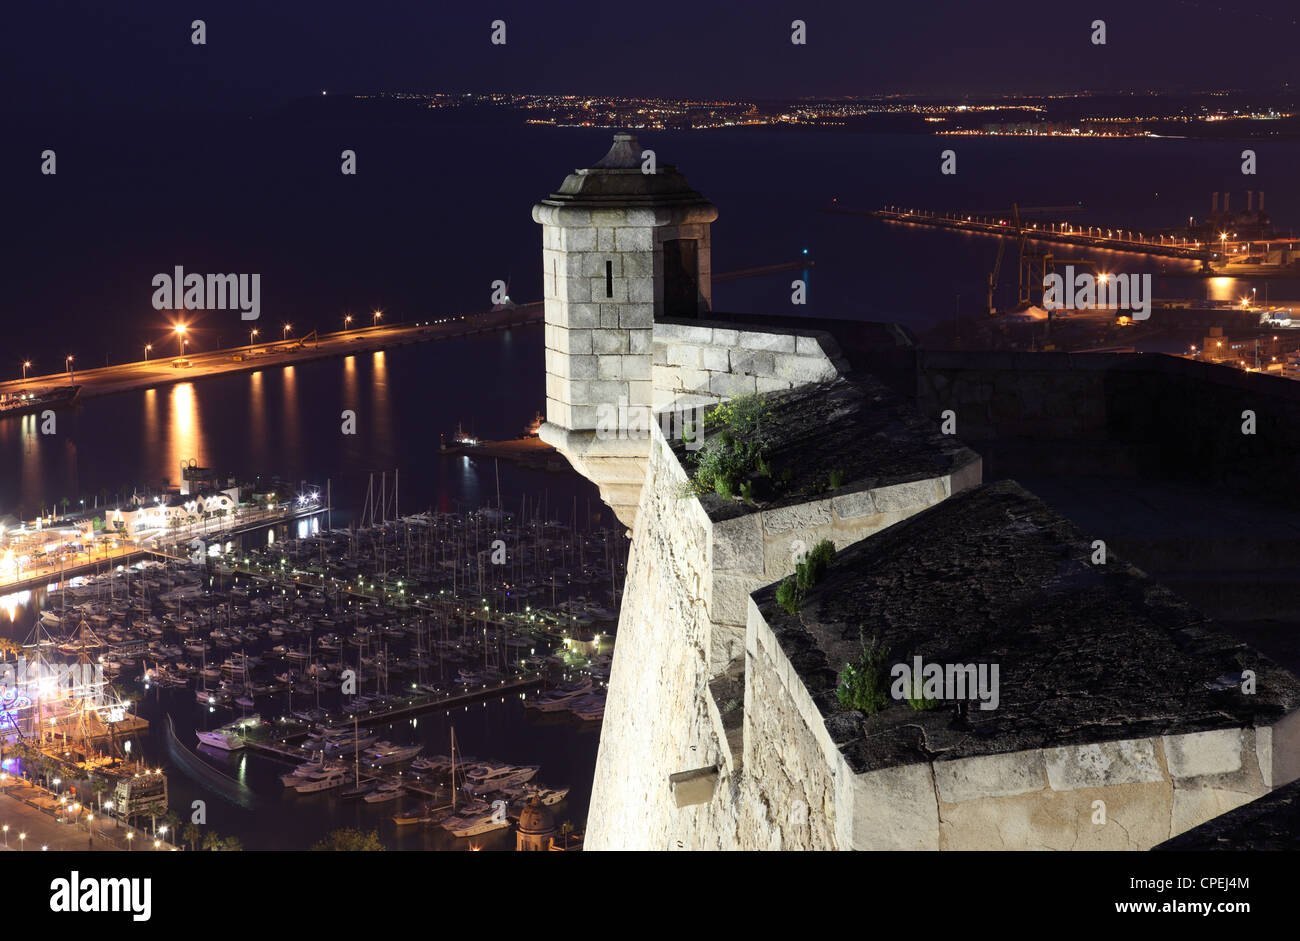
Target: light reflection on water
column 286, row 422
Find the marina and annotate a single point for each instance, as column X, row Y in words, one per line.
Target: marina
column 318, row 651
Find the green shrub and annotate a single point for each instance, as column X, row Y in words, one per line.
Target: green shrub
column 807, row 573
column 788, row 596
column 837, row 479
column 722, row 486
column 862, row 683
column 732, row 454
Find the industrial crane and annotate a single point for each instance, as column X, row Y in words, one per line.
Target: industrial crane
column 1027, row 278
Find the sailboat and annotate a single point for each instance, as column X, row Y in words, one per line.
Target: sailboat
column 429, row 814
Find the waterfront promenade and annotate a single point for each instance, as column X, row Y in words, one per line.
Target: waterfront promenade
column 27, row 808
column 162, row 544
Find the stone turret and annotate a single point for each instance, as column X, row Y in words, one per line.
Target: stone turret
column 624, row 243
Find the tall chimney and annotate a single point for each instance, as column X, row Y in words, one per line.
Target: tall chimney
column 1250, row 200
column 1261, row 200
column 1226, row 197
column 1214, row 202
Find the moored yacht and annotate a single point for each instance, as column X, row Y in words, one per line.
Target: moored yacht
column 493, row 776
column 231, row 736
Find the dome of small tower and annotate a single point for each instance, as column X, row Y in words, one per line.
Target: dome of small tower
column 535, row 819
column 621, row 178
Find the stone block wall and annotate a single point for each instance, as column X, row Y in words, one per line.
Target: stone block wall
column 656, row 717
column 597, row 329
column 683, row 622
column 702, row 362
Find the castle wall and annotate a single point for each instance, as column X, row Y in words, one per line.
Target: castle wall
column 683, row 623
column 702, row 362
column 656, row 719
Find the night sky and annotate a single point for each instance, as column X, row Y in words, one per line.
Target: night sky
column 69, row 57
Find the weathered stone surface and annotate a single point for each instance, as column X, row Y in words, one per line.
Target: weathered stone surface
column 990, row 776
column 1194, row 806
column 893, row 809
column 1136, row 817
column 801, row 516
column 1102, row 764
column 773, row 342
column 738, row 544
column 1199, row 753
column 853, row 505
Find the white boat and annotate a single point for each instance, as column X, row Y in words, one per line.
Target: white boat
column 549, row 796
column 385, row 792
column 473, row 824
column 465, row 812
column 437, row 764
column 329, row 779
column 230, row 737
column 308, row 771
column 589, row 708
column 491, row 776
column 560, row 699
column 386, row 753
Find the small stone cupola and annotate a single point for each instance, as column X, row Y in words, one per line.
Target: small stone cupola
column 624, row 242
column 536, row 827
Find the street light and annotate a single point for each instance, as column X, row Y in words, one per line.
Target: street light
column 69, row 362
column 180, row 338
column 347, row 321
column 378, row 314
column 22, row 842
column 147, row 348
column 27, row 363
column 251, row 335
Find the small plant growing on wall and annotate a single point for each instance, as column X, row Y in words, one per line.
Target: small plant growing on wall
column 727, row 459
column 837, row 479
column 807, row 573
column 862, row 683
column 787, row 596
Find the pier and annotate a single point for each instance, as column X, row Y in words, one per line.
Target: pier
column 164, row 370
column 1068, row 233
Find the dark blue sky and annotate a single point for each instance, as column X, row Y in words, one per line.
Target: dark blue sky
column 136, row 55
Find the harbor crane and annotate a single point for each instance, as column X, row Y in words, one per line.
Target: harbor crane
column 1033, row 266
